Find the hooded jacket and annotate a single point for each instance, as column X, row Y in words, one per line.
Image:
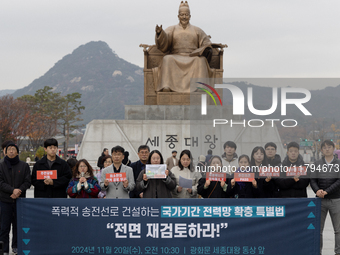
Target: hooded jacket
column 276, row 161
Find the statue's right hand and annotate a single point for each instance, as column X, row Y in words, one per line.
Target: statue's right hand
column 159, row 29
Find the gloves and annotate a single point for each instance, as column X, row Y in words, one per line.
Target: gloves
column 79, row 186
column 86, row 186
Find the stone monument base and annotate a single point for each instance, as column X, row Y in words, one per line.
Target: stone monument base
column 168, row 128
column 177, row 98
column 175, row 112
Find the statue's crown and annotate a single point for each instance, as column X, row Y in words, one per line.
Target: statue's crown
column 184, row 5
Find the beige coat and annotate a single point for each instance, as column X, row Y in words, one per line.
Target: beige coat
column 185, row 173
column 170, row 163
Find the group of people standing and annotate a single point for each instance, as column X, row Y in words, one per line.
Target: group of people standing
column 80, row 181
column 325, row 183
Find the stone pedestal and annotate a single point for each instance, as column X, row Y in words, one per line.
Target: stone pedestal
column 174, row 98
column 168, row 128
column 175, row 112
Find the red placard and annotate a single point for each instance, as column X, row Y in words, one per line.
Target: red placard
column 296, row 171
column 116, row 177
column 269, row 171
column 244, row 177
column 47, row 174
column 216, row 176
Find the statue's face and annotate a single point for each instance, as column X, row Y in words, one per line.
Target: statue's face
column 184, row 17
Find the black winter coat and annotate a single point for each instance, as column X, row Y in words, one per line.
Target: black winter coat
column 19, row 177
column 58, row 189
column 288, row 187
column 156, row 188
column 328, row 181
column 242, row 190
column 214, row 190
column 100, row 162
column 136, row 168
column 276, row 161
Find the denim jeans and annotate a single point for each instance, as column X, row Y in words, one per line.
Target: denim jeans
column 333, row 207
column 8, row 218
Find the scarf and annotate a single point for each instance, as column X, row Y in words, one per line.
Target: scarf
column 86, row 175
column 11, row 161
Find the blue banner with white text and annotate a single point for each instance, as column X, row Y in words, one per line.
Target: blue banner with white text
column 169, row 226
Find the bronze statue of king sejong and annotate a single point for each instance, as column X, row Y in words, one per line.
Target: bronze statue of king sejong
column 188, row 51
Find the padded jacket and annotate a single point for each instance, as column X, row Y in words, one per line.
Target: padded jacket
column 58, row 189
column 329, row 180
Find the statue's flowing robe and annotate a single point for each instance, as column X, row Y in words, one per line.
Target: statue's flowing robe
column 177, row 67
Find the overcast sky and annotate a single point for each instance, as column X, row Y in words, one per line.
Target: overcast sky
column 266, row 38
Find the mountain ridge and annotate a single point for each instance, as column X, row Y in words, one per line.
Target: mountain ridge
column 105, row 81
column 108, row 83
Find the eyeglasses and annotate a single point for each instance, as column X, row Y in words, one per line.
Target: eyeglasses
column 83, row 166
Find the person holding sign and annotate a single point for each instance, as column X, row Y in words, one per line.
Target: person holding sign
column 290, row 183
column 274, row 161
column 117, row 179
column 186, row 177
column 246, row 188
column 55, row 186
column 259, row 159
column 156, row 187
column 214, row 184
column 83, row 184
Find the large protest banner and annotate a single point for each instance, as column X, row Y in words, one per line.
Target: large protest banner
column 169, row 226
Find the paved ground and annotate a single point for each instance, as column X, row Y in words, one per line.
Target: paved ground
column 328, row 234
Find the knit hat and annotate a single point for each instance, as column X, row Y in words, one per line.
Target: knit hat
column 14, row 145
